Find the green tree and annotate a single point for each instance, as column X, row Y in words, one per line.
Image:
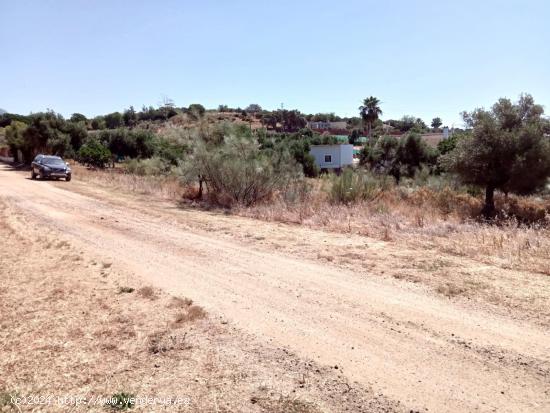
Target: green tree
column 46, row 133
column 15, row 138
column 370, row 111
column 412, row 153
column 93, row 153
column 253, row 108
column 77, row 134
column 398, row 157
column 113, row 120
column 98, row 123
column 130, row 116
column 507, row 150
column 196, row 111
column 382, row 157
column 436, row 123
column 445, row 146
column 78, row 117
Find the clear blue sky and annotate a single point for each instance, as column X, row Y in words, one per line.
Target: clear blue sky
column 423, row 58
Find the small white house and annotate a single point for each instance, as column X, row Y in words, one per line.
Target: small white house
column 332, row 156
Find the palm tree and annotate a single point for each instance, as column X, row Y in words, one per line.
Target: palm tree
column 369, row 111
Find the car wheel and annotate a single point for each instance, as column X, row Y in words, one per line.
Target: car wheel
column 33, row 175
column 68, row 178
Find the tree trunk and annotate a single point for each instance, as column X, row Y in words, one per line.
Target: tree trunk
column 199, row 195
column 488, row 210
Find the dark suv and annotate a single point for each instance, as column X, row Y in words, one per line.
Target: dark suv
column 47, row 166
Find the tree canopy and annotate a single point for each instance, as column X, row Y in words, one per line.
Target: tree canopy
column 370, row 111
column 507, row 150
column 436, row 123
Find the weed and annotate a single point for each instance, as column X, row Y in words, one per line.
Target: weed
column 147, row 292
column 125, row 290
column 121, row 401
column 450, row 290
column 163, row 342
column 178, row 302
column 193, row 313
column 7, row 402
column 284, row 404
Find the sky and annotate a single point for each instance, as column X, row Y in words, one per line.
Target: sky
column 420, row 58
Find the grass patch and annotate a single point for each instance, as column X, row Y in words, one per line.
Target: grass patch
column 179, row 302
column 285, row 404
column 7, row 402
column 147, row 292
column 193, row 313
column 450, row 290
column 121, row 401
column 126, row 290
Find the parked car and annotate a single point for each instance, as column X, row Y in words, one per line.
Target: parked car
column 46, row 166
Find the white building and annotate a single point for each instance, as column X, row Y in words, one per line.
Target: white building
column 326, row 125
column 332, row 156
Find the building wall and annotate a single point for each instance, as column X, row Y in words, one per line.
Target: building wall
column 321, row 125
column 346, row 155
column 341, row 155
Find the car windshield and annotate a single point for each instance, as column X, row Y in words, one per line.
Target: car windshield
column 53, row 161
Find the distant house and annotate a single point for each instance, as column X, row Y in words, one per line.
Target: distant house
column 326, row 126
column 332, row 156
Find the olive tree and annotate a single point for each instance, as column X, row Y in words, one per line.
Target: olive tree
column 436, row 123
column 507, row 150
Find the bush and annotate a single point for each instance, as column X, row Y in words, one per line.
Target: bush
column 144, row 167
column 352, row 186
column 136, row 143
column 237, row 172
column 122, row 401
column 93, row 153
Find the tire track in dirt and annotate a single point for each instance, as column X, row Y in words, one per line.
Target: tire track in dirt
column 326, row 313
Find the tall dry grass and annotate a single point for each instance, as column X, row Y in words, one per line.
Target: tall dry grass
column 162, row 186
column 438, row 220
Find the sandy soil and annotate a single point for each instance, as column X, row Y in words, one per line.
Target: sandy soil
column 334, row 299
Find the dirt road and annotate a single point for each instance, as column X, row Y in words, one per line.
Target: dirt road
column 407, row 343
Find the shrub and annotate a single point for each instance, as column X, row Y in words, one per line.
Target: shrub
column 352, row 186
column 144, row 167
column 192, row 313
column 237, row 172
column 93, row 153
column 136, row 143
column 122, row 401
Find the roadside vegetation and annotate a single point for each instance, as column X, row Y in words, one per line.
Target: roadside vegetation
column 257, row 162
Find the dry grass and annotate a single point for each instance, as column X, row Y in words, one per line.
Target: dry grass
column 285, row 404
column 163, row 187
column 147, row 292
column 192, row 313
column 424, row 218
column 450, row 290
column 179, row 302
